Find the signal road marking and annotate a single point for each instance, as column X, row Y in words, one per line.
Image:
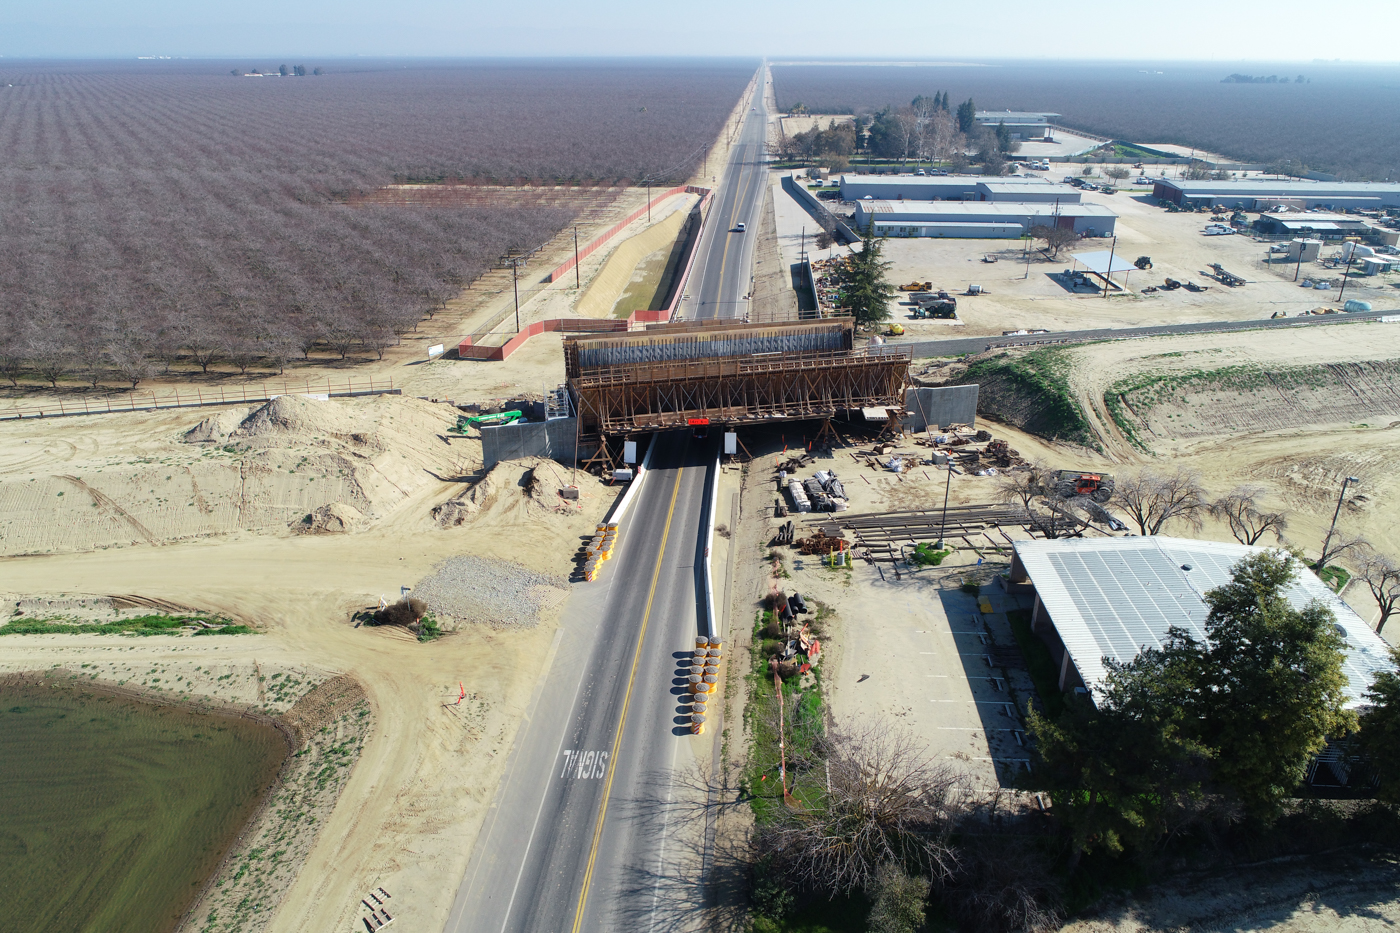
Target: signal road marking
column 584, row 765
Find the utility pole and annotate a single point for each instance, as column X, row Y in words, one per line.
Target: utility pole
column 576, row 279
column 648, row 202
column 947, row 487
column 1327, row 541
column 1108, row 276
column 1346, row 272
column 515, row 287
column 1299, row 267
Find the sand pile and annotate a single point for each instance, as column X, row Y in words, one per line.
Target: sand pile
column 522, row 490
column 497, row 592
column 330, row 519
column 216, row 428
column 160, row 477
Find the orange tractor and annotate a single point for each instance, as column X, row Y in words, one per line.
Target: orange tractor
column 1071, row 483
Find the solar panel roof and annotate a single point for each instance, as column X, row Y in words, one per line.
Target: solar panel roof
column 1110, row 598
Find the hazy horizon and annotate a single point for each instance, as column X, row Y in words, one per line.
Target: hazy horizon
column 1287, row 31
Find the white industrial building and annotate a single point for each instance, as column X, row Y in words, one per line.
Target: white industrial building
column 980, row 219
column 1264, row 194
column 1107, row 599
column 1020, row 123
column 955, row 188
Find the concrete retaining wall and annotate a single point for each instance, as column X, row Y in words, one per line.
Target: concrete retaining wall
column 553, row 439
column 819, row 210
column 940, row 406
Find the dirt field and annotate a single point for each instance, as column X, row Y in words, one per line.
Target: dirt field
column 428, row 767
column 1018, row 297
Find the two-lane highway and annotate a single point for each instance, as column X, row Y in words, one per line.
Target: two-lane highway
column 586, row 833
column 720, row 283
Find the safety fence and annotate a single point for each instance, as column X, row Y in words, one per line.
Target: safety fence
column 198, row 397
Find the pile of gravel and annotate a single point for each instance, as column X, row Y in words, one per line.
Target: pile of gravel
column 497, row 592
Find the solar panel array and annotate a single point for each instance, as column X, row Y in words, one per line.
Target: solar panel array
column 1129, row 598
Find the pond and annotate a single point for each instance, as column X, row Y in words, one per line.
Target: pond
column 113, row 812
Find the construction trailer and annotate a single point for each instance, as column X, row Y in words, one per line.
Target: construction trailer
column 726, row 373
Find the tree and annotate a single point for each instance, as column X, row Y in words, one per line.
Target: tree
column 1046, row 512
column 1003, row 137
column 898, row 901
column 866, row 291
column 1056, row 238
column 1121, row 765
column 1268, row 682
column 1153, row 499
column 1378, row 735
column 1116, row 172
column 967, row 117
column 1382, row 577
column 129, row 362
column 890, row 803
column 1239, row 509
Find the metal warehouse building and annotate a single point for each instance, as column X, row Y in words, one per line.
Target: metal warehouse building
column 954, row 188
column 984, row 219
column 1264, row 194
column 1110, row 598
column 1020, row 123
column 1319, row 224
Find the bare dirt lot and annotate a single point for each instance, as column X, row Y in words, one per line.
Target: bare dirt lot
column 428, row 766
column 1018, row 296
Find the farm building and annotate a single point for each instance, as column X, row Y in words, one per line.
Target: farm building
column 1019, row 123
column 1315, row 224
column 1263, row 194
column 980, row 219
column 954, row 188
column 1109, row 598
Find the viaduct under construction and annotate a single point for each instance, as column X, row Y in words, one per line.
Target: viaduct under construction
column 727, row 374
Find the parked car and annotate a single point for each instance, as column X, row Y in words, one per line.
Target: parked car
column 1217, row 230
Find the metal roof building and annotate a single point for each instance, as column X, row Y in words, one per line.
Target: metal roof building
column 955, row 188
column 1312, row 223
column 1110, row 598
column 1264, row 193
column 1022, row 124
column 980, row 219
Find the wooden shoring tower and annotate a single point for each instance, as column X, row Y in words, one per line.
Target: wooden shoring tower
column 738, row 390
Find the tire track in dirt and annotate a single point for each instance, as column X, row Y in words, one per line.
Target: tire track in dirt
column 106, row 504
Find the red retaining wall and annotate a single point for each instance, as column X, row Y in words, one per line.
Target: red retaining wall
column 574, row 325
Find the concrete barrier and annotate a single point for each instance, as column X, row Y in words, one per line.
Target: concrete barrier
column 711, row 627
column 940, row 406
column 819, row 210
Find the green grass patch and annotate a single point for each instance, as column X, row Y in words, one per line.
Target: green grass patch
column 1335, row 577
column 428, row 628
column 154, row 624
column 1038, row 662
column 1034, row 390
column 924, row 555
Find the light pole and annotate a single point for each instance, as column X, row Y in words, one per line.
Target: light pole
column 947, row 486
column 1327, row 541
column 576, row 280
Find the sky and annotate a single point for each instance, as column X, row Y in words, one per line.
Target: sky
column 1199, row 30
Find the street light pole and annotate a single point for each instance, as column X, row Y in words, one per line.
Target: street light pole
column 1327, row 541
column 515, row 287
column 947, row 487
column 576, row 281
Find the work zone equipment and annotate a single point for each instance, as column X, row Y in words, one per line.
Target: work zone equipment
column 599, row 550
column 703, row 678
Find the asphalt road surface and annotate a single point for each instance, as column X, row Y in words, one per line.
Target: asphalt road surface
column 594, row 827
column 961, row 346
column 722, row 279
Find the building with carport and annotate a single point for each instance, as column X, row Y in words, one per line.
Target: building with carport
column 982, row 219
column 1108, row 599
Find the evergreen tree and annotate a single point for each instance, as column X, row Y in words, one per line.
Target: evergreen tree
column 866, row 290
column 967, row 117
column 1379, row 736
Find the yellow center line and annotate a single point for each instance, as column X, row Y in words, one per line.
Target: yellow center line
column 626, row 702
column 724, row 257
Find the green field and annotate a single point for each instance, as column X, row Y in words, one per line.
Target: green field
column 112, row 812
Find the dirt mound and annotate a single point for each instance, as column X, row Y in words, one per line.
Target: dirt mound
column 301, row 418
column 522, row 488
column 216, row 428
column 330, row 519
